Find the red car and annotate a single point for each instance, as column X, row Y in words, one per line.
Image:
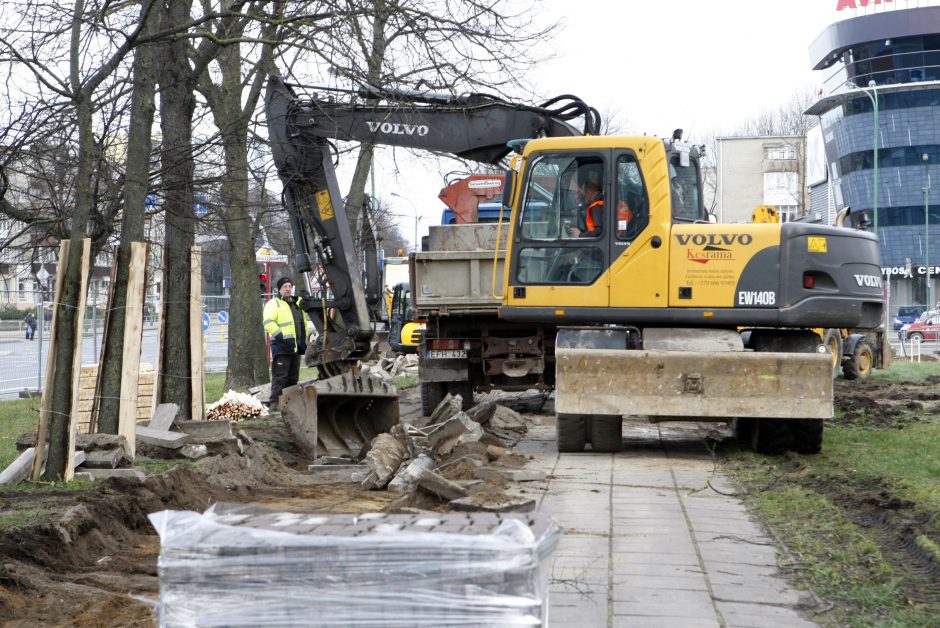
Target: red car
column 927, row 328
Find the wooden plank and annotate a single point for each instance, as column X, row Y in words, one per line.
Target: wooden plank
column 50, row 363
column 195, row 336
column 77, row 360
column 133, row 335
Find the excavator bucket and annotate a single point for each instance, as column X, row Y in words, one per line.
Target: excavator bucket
column 339, row 416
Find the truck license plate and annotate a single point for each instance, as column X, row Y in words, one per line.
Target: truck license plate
column 446, row 354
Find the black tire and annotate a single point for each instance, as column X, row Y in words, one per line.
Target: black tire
column 915, row 335
column 606, row 433
column 465, row 390
column 432, row 394
column 806, row 435
column 771, row 436
column 569, row 433
column 741, row 429
column 861, row 362
column 832, row 341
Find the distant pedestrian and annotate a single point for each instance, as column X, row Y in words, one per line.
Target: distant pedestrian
column 288, row 327
column 30, row 322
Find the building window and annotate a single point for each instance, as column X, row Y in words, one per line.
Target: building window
column 781, row 188
column 783, row 151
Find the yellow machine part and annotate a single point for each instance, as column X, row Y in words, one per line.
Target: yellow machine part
column 765, row 214
column 411, row 333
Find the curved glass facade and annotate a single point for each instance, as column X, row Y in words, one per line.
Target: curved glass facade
column 908, row 130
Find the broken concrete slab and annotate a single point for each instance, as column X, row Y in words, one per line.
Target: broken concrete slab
column 440, row 486
column 103, row 459
column 474, row 503
column 126, row 472
column 384, row 458
column 448, row 407
column 262, row 393
column 482, row 412
column 455, row 431
column 332, row 460
column 206, row 431
column 85, row 442
column 19, row 469
column 334, row 473
column 84, row 476
column 406, row 481
column 495, row 452
column 169, row 440
column 164, row 416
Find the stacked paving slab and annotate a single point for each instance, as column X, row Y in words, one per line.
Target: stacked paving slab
column 244, row 565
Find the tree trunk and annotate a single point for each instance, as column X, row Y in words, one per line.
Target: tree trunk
column 66, row 309
column 177, row 103
column 136, row 186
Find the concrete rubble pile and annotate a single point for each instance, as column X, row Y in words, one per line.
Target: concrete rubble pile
column 253, row 566
column 463, row 459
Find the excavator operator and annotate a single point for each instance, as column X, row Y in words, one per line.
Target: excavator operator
column 590, row 211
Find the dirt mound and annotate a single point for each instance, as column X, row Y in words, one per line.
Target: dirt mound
column 84, row 551
column 884, row 405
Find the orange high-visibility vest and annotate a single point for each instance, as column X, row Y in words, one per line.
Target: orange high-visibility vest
column 589, row 220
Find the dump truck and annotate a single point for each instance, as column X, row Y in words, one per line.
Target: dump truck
column 652, row 311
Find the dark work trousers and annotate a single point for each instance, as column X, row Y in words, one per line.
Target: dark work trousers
column 285, row 369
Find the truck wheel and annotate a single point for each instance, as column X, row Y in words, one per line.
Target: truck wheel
column 741, row 429
column 465, row 390
column 859, row 365
column 832, row 340
column 606, row 433
column 770, row 436
column 807, row 435
column 432, row 394
column 569, row 433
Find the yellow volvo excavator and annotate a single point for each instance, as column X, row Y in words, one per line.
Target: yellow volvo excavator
column 618, row 291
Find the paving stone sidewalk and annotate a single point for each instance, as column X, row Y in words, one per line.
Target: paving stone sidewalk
column 647, row 542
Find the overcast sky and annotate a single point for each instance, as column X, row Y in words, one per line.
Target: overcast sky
column 702, row 65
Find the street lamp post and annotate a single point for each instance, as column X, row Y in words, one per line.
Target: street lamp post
column 926, row 159
column 417, row 217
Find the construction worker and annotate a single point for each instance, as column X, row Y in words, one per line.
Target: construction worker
column 590, row 216
column 288, row 327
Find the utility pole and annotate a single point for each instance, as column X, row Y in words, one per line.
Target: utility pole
column 926, row 159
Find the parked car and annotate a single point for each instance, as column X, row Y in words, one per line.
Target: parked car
column 926, row 328
column 907, row 314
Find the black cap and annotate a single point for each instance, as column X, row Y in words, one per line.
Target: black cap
column 282, row 281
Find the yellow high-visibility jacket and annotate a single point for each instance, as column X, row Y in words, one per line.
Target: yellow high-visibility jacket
column 278, row 318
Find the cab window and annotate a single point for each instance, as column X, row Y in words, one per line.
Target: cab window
column 563, row 219
column 684, row 192
column 632, row 201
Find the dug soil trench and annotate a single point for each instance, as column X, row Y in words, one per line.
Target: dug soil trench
column 89, row 557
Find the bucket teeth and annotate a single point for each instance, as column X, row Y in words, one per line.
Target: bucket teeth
column 339, row 416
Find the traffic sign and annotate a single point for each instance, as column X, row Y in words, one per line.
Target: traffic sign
column 206, row 321
column 222, row 316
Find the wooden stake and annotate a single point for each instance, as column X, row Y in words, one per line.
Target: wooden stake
column 133, row 333
column 77, row 361
column 46, row 401
column 196, row 335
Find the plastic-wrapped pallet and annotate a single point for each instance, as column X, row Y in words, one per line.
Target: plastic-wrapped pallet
column 252, row 566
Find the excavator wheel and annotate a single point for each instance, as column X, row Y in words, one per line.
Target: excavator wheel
column 432, row 394
column 570, row 433
column 832, row 341
column 807, row 435
column 771, row 436
column 859, row 365
column 606, row 433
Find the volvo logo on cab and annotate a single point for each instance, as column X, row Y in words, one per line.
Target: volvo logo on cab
column 868, row 281
column 715, row 239
column 395, row 128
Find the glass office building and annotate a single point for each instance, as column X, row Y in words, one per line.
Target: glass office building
column 886, row 67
